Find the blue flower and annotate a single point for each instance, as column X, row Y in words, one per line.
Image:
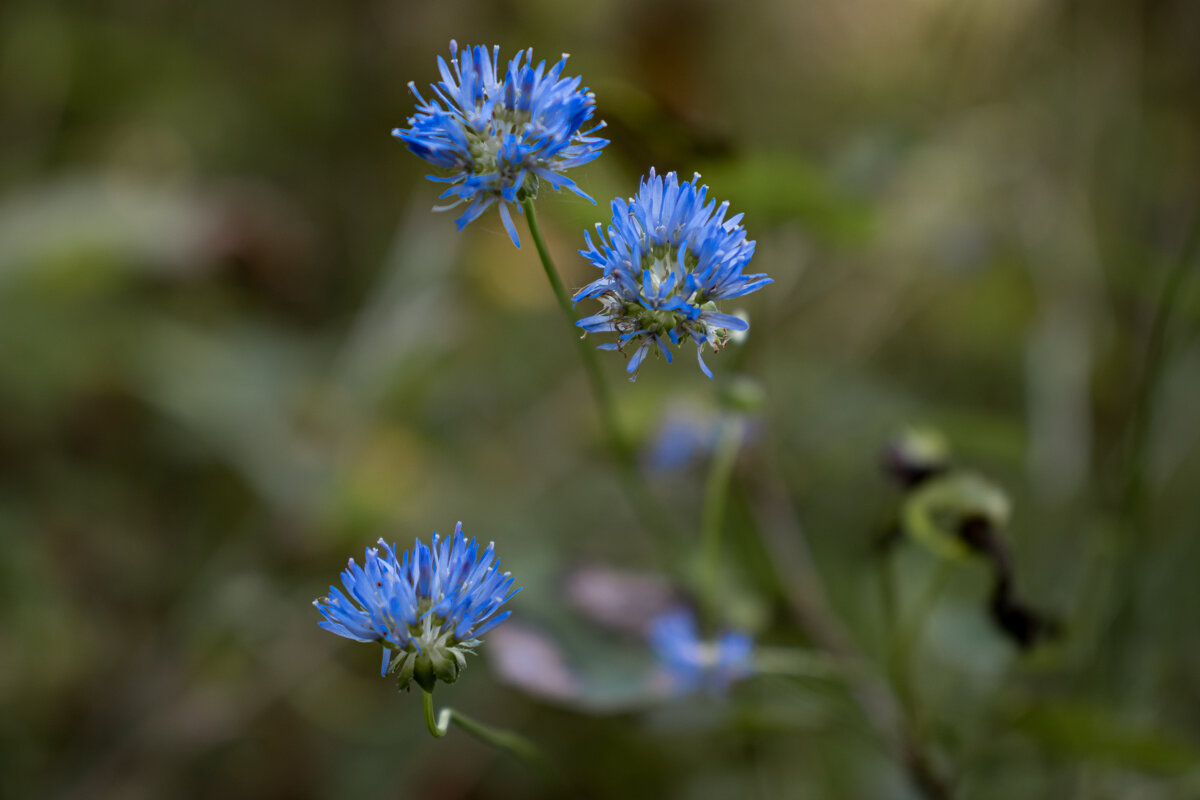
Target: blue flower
column 670, row 255
column 495, row 137
column 682, row 438
column 430, row 606
column 693, row 664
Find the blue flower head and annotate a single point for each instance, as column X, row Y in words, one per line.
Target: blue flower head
column 494, row 137
column 694, row 664
column 430, row 606
column 669, row 257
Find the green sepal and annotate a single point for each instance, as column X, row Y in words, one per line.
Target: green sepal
column 529, row 189
column 423, row 672
column 402, row 665
column 447, row 669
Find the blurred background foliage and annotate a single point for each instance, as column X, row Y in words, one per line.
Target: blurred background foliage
column 237, row 348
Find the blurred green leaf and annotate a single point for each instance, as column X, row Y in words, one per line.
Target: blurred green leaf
column 776, row 187
column 1093, row 733
column 89, row 230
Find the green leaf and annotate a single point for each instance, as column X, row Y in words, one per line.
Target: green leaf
column 1091, row 733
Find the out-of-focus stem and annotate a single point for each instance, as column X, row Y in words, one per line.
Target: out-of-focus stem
column 794, row 662
column 785, row 542
column 1131, row 549
column 716, row 492
column 1151, row 378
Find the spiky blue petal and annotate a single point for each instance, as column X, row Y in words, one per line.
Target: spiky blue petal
column 495, row 135
column 669, row 255
column 434, row 601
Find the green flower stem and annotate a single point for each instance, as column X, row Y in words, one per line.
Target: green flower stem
column 505, row 740
column 653, row 517
column 795, row 662
column 716, row 491
column 604, row 401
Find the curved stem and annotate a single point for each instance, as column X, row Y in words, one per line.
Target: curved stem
column 716, row 491
column 653, row 517
column 505, row 740
column 436, row 729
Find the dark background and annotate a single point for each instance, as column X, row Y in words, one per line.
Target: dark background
column 236, row 348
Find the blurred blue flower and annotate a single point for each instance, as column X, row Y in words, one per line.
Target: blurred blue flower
column 694, row 664
column 680, row 440
column 670, row 255
column 494, row 137
column 430, row 606
column 684, row 435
